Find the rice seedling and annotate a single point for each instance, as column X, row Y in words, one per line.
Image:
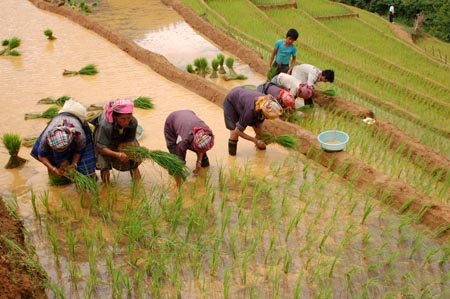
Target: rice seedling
column 284, row 140
column 49, row 113
column 143, row 103
column 221, row 58
column 49, row 34
column 52, row 234
column 232, row 75
column 328, row 92
column 215, row 68
column 59, row 101
column 10, row 45
column 12, row 143
column 88, row 70
column 168, row 161
column 81, row 5
column 190, row 69
column 82, row 182
column 29, row 141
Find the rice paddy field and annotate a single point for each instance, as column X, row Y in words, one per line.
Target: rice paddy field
column 284, row 227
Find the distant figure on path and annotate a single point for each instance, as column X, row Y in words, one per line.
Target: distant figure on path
column 391, row 13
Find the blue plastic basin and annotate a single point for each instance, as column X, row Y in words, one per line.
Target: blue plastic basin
column 333, row 140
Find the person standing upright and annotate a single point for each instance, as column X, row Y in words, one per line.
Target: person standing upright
column 284, row 54
column 391, row 13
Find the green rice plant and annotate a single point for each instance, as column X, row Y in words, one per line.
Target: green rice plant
column 232, row 75
column 44, row 200
column 190, row 69
column 221, row 58
column 81, row 181
column 12, row 143
column 215, row 68
column 168, row 161
column 52, row 234
column 89, row 70
column 29, row 141
column 49, row 34
column 59, row 101
column 34, row 205
column 10, row 45
column 328, row 92
column 284, row 140
column 81, row 5
column 143, row 103
column 49, row 113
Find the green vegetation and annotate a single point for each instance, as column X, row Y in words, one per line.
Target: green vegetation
column 12, row 143
column 49, row 34
column 143, row 103
column 88, row 70
column 9, row 46
column 59, row 101
column 49, row 113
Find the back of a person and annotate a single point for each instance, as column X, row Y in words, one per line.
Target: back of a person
column 303, row 71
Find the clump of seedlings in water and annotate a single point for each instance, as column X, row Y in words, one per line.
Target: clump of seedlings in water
column 143, row 103
column 49, row 34
column 232, row 75
column 10, row 45
column 221, row 59
column 201, row 66
column 285, row 140
column 81, row 5
column 215, row 68
column 88, row 70
column 12, row 143
column 49, row 113
column 190, row 69
column 168, row 161
column 59, row 101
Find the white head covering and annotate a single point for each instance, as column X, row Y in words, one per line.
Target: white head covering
column 72, row 106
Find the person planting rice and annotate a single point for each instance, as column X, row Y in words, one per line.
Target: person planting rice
column 295, row 87
column 67, row 140
column 243, row 107
column 309, row 74
column 184, row 131
column 115, row 128
column 284, row 97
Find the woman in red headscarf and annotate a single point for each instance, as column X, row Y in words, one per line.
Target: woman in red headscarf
column 114, row 128
column 184, row 131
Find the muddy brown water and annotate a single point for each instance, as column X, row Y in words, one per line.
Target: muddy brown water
column 38, row 74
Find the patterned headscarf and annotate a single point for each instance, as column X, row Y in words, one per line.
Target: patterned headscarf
column 270, row 108
column 203, row 139
column 287, row 98
column 60, row 137
column 122, row 106
column 304, row 91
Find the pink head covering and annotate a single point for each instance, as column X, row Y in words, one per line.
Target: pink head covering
column 60, row 137
column 287, row 98
column 203, row 139
column 304, row 91
column 122, row 106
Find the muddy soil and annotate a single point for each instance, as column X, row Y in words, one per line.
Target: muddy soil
column 18, row 281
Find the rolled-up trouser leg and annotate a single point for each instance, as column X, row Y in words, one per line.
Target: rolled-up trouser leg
column 232, row 147
column 309, row 102
column 205, row 161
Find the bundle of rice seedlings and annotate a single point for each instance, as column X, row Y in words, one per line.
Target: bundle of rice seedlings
column 88, row 70
column 58, row 180
column 49, row 113
column 215, row 68
column 12, row 143
column 59, row 101
column 143, row 103
column 168, row 161
column 49, row 34
column 232, row 73
column 82, row 182
column 29, row 141
column 328, row 92
column 10, row 45
column 284, row 140
column 271, row 72
column 221, row 59
column 190, row 69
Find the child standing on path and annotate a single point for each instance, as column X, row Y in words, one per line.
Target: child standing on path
column 284, row 54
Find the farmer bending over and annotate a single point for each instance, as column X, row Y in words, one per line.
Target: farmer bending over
column 243, row 107
column 184, row 131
